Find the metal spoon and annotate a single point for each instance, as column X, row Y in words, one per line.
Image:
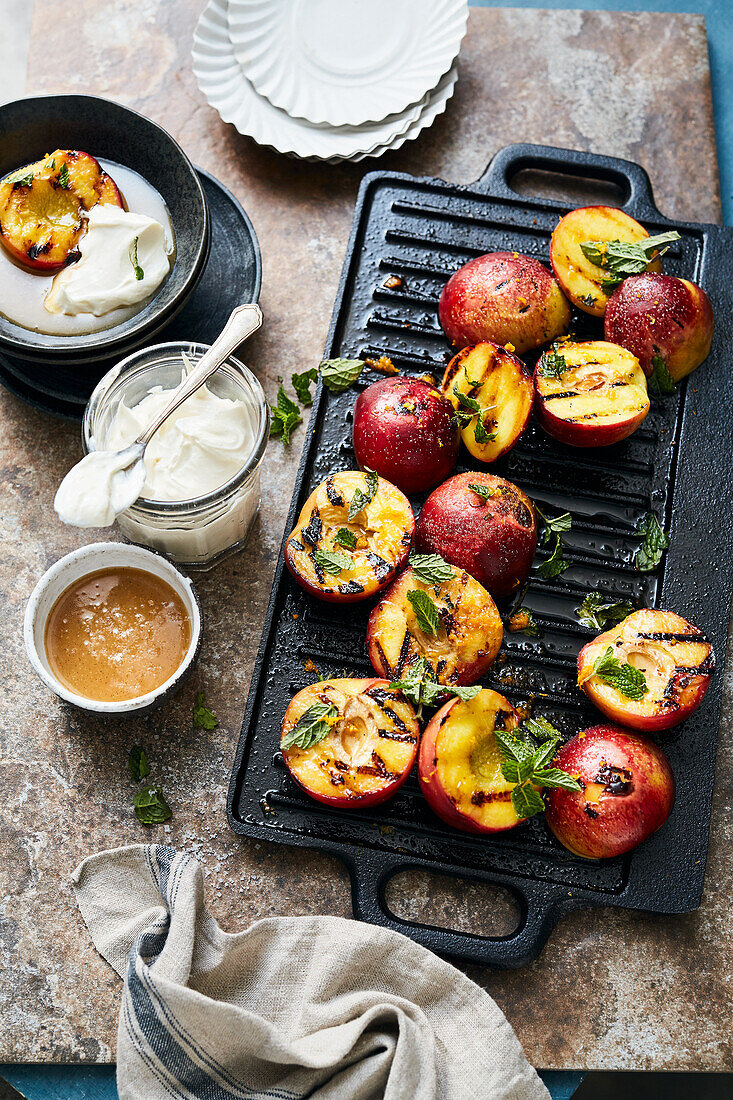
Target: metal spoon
column 106, row 483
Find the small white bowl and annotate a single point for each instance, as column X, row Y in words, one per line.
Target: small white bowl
column 78, row 564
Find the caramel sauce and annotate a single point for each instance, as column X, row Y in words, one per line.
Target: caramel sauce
column 117, row 634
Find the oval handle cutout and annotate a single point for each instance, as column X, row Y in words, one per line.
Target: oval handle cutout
column 456, row 904
column 568, row 189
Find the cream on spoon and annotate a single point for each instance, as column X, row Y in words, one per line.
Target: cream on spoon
column 105, row 483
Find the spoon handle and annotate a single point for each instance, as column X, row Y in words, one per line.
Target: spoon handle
column 243, row 321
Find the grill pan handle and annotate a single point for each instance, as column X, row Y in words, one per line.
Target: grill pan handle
column 539, row 910
column 631, row 178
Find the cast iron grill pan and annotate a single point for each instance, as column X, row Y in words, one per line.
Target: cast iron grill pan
column 675, row 464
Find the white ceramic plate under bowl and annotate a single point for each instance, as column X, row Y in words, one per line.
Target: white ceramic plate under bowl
column 228, row 91
column 345, row 62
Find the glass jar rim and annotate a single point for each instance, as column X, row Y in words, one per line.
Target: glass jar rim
column 150, row 357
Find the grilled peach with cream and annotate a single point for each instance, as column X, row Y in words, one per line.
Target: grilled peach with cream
column 627, row 792
column 650, row 672
column 584, row 282
column 348, row 742
column 505, row 298
column 590, row 394
column 453, row 624
column 403, row 429
column 661, row 317
column 460, row 764
column 492, row 394
column 352, row 536
column 42, row 206
column 483, row 524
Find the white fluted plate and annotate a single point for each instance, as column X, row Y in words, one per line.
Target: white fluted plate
column 345, row 62
column 225, row 87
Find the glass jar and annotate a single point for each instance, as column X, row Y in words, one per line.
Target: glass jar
column 198, row 532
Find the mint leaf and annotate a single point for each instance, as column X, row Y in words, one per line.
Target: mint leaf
column 541, row 729
column 64, row 181
column 302, row 383
column 656, row 541
column 346, row 538
column 420, row 686
column 203, row 718
column 151, row 807
column 23, row 181
column 623, row 258
column 139, row 273
column 554, row 565
column 661, row 383
column 362, row 497
column 426, row 612
column 522, row 622
column 484, row 491
column 331, row 562
column 338, row 374
column 526, row 800
column 552, row 365
column 480, row 434
column 556, row 777
column 629, row 681
column 285, row 416
column 430, row 568
column 552, row 536
column 513, row 747
column 598, row 613
column 137, row 763
column 311, row 727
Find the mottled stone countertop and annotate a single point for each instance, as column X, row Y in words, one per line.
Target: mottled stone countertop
column 612, row 988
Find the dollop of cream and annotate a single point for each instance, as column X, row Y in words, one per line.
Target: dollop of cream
column 203, row 444
column 98, row 488
column 124, row 259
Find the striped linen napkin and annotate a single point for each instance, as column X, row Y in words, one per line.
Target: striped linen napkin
column 294, row 1007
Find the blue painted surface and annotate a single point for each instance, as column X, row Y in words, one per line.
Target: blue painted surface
column 98, row 1082
column 719, row 19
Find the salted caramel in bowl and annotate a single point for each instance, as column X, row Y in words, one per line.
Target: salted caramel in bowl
column 113, row 628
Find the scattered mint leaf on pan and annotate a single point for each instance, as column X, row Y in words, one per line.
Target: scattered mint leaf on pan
column 203, row 718
column 346, row 538
column 302, row 384
column 655, row 542
column 626, row 679
column 430, row 568
column 426, row 611
column 599, row 613
column 151, row 807
column 661, row 383
column 137, row 763
column 285, row 416
column 332, row 562
column 338, row 374
column 362, row 497
column 312, row 726
column 623, row 258
column 523, row 622
column 554, row 528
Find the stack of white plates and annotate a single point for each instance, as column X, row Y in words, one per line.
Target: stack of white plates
column 329, row 79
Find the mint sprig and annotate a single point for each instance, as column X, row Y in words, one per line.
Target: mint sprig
column 420, row 686
column 552, row 365
column 285, row 416
column 624, row 258
column 525, row 764
column 301, row 383
column 311, row 728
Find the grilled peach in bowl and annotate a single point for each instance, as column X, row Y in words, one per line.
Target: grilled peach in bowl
column 590, row 394
column 349, row 743
column 460, row 764
column 504, row 298
column 627, row 792
column 649, row 672
column 352, row 537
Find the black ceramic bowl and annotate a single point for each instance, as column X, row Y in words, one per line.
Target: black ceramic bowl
column 30, row 128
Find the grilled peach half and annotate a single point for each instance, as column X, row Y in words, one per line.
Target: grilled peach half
column 590, row 394
column 660, row 315
column 490, row 530
column 369, row 747
column 344, row 560
column 464, row 643
column 501, row 386
column 460, row 764
column 503, row 297
column 627, row 792
column 582, row 280
column 403, row 429
column 42, row 206
column 675, row 658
